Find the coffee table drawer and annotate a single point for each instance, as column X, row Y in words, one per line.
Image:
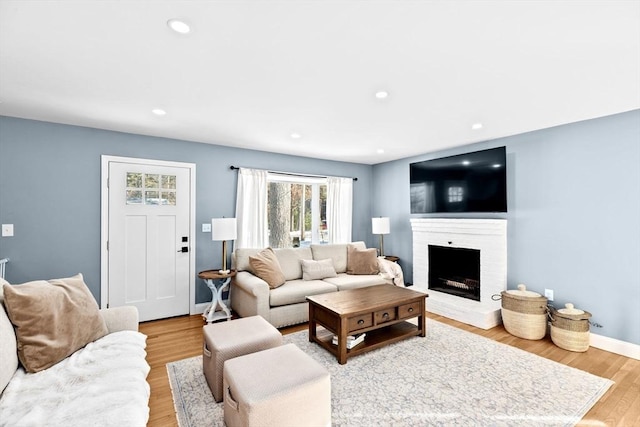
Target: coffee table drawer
column 409, row 310
column 386, row 315
column 359, row 322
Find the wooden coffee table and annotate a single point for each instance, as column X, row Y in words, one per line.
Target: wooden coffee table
column 379, row 311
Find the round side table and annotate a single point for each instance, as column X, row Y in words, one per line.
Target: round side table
column 217, row 282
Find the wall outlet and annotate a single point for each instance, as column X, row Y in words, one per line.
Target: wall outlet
column 7, row 230
column 548, row 293
column 206, row 228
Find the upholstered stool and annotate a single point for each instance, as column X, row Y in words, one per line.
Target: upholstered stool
column 282, row 386
column 226, row 340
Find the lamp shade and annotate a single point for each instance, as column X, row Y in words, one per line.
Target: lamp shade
column 380, row 225
column 223, row 229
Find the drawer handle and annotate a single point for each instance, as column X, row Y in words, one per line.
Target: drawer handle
column 410, row 309
column 385, row 315
column 360, row 322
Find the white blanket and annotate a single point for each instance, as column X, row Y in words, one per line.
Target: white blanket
column 391, row 271
column 103, row 384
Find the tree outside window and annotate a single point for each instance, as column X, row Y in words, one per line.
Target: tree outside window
column 296, row 211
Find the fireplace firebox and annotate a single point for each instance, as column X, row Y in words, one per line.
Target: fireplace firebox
column 455, row 271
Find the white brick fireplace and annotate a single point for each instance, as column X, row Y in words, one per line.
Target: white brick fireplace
column 489, row 236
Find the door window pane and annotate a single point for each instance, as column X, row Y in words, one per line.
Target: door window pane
column 151, row 198
column 152, row 181
column 169, row 181
column 168, row 198
column 134, row 197
column 134, row 180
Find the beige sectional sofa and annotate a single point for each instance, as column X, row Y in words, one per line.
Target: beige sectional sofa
column 286, row 304
column 101, row 384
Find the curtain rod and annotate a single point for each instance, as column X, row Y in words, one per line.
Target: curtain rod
column 293, row 174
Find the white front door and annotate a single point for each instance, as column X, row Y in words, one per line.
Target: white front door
column 149, row 243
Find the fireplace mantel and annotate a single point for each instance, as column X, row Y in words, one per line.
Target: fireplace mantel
column 489, row 236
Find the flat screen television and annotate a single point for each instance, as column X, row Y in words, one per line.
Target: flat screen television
column 471, row 182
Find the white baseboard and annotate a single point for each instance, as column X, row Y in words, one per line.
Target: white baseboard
column 615, row 346
column 200, row 308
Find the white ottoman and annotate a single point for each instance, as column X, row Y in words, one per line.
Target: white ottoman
column 226, row 340
column 279, row 387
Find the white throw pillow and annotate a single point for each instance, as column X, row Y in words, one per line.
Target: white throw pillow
column 317, row 270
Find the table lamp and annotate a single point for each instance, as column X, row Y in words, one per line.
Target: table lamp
column 380, row 226
column 223, row 229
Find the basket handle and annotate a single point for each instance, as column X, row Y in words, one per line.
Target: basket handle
column 496, row 297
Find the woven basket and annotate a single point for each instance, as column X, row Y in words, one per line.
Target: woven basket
column 524, row 313
column 570, row 329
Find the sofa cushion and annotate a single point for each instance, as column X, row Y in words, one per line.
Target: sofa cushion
column 266, row 266
column 351, row 281
column 317, row 270
column 362, row 261
column 52, row 319
column 289, row 259
column 337, row 252
column 8, row 344
column 296, row 291
column 103, row 384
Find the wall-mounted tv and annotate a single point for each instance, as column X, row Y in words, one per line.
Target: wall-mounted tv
column 471, row 182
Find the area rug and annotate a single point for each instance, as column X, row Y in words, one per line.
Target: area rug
column 450, row 377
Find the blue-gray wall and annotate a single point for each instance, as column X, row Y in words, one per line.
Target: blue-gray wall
column 573, row 220
column 574, row 205
column 50, row 191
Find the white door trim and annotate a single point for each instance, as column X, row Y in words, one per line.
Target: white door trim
column 104, row 223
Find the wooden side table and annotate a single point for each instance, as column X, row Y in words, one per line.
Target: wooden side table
column 392, row 258
column 217, row 282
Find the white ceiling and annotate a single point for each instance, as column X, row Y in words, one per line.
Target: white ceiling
column 251, row 73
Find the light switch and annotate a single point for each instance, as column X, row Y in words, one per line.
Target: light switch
column 7, row 230
column 206, row 228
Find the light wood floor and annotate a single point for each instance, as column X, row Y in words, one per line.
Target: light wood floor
column 181, row 337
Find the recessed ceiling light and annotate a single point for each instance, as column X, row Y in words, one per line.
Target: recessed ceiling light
column 380, row 151
column 295, row 136
column 158, row 112
column 179, row 26
column 476, row 126
column 382, row 94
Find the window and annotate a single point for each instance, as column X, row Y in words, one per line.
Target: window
column 296, row 210
column 150, row 189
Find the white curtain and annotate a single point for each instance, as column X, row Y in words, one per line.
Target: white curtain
column 339, row 209
column 251, row 209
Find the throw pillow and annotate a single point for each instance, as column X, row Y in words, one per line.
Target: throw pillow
column 8, row 344
column 265, row 265
column 52, row 319
column 362, row 261
column 317, row 270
